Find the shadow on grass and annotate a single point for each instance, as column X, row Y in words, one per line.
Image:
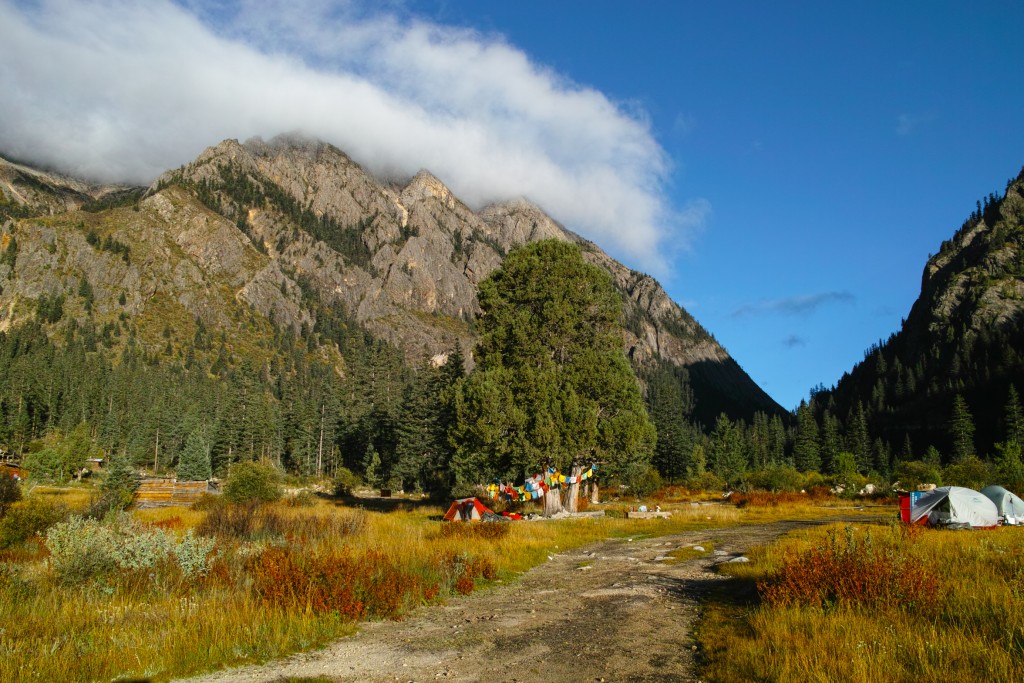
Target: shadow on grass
column 379, row 504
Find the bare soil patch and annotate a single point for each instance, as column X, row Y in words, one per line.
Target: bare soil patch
column 619, row 610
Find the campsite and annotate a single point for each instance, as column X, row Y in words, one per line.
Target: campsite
column 699, row 593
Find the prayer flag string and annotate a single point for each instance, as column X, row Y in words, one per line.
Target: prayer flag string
column 536, row 486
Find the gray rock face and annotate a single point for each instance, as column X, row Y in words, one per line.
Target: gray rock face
column 409, row 275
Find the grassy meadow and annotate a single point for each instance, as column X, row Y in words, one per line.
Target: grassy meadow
column 175, row 591
column 872, row 602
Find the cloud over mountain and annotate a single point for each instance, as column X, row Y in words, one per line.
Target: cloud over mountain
column 119, row 90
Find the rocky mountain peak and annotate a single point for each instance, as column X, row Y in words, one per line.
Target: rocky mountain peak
column 290, row 226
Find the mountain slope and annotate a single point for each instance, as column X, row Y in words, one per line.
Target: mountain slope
column 251, row 237
column 963, row 336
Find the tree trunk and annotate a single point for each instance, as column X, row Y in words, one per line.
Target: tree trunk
column 552, row 502
column 593, row 493
column 574, row 488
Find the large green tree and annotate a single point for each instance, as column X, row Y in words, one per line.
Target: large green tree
column 552, row 385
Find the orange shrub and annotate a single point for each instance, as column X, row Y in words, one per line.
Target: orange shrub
column 354, row 587
column 853, row 572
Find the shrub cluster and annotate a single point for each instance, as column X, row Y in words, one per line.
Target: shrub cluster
column 82, row 549
column 359, row 586
column 850, row 570
column 29, row 518
column 345, row 482
column 10, row 492
column 254, row 482
column 250, row 522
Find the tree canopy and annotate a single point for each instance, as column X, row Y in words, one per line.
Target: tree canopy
column 552, row 385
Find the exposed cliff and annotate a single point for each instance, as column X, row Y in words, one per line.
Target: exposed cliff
column 256, row 235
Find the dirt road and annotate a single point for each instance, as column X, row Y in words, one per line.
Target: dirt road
column 613, row 611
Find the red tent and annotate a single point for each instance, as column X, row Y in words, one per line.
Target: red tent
column 467, row 510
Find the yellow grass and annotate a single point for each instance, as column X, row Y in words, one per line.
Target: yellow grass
column 976, row 634
column 107, row 629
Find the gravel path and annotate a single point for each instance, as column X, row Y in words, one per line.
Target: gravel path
column 613, row 611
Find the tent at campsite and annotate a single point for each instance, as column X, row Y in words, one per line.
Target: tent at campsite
column 468, row 510
column 1009, row 505
column 955, row 507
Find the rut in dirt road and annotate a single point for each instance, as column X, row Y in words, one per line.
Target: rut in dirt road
column 618, row 610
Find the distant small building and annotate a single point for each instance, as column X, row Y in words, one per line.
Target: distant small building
column 158, row 492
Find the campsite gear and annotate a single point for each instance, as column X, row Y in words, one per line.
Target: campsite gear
column 908, row 499
column 469, row 510
column 955, row 507
column 1009, row 505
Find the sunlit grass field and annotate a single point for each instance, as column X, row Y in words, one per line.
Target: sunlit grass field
column 873, row 602
column 280, row 578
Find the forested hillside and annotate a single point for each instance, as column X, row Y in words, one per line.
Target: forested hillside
column 945, row 387
column 272, row 301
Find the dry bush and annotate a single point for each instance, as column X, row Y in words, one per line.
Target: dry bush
column 306, row 528
column 303, row 499
column 250, row 521
column 764, row 499
column 170, row 524
column 851, row 570
column 353, row 587
column 229, row 522
column 491, row 531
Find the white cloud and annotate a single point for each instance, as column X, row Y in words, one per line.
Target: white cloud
column 120, row 90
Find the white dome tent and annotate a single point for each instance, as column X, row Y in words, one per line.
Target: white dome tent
column 955, row 507
column 1009, row 505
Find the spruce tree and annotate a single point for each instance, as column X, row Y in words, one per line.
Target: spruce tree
column 194, row 459
column 961, row 430
column 806, row 454
column 831, row 442
column 1014, row 418
column 727, row 459
column 858, row 439
column 668, row 411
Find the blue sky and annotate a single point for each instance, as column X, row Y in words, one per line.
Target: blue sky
column 783, row 168
column 838, row 144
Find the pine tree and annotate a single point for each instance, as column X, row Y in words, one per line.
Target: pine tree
column 776, row 441
column 831, row 442
column 727, row 458
column 961, row 430
column 668, row 412
column 858, row 439
column 418, row 439
column 194, row 460
column 806, row 455
column 1014, row 418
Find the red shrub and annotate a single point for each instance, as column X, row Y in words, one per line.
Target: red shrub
column 853, row 572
